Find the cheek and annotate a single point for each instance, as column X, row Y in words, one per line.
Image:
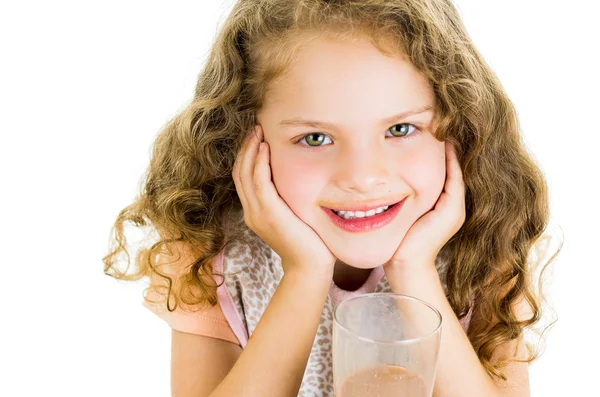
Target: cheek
column 297, row 181
column 425, row 171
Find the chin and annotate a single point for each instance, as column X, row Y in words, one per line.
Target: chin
column 363, row 258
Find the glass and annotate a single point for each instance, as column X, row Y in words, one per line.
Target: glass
column 385, row 345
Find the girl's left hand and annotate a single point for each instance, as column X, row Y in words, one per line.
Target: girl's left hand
column 430, row 232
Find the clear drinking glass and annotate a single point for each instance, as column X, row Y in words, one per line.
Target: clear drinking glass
column 385, row 345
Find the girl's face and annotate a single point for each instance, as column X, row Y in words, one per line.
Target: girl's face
column 360, row 156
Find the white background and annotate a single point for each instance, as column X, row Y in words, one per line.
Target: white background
column 85, row 87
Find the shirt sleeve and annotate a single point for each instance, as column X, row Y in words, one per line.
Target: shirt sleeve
column 209, row 321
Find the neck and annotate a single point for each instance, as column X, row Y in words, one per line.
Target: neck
column 349, row 278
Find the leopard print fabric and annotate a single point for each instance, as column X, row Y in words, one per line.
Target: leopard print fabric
column 252, row 273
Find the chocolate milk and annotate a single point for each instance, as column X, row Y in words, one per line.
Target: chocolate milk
column 383, row 381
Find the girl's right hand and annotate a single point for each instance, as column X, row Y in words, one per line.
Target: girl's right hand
column 267, row 215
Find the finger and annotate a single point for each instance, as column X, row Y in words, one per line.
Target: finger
column 454, row 178
column 235, row 172
column 241, row 153
column 246, row 171
column 263, row 187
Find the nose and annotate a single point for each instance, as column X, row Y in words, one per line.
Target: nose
column 361, row 169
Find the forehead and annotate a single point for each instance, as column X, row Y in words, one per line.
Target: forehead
column 347, row 77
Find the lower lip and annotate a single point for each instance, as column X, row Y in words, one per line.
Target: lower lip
column 361, row 225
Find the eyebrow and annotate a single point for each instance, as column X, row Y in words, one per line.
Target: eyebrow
column 298, row 121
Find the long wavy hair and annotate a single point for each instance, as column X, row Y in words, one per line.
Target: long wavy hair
column 189, row 198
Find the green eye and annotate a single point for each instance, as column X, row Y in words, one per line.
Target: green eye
column 315, row 139
column 405, row 129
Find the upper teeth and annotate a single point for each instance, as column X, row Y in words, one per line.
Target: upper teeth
column 361, row 214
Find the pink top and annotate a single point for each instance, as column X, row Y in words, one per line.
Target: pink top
column 223, row 321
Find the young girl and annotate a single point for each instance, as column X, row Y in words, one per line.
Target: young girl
column 335, row 148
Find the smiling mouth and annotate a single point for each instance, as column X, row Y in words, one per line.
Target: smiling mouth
column 349, row 215
column 364, row 221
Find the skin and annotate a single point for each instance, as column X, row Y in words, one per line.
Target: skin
column 354, row 87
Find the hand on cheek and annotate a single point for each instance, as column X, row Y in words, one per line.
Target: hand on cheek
column 267, row 215
column 430, row 232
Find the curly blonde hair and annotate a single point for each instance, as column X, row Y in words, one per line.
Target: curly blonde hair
column 189, row 196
